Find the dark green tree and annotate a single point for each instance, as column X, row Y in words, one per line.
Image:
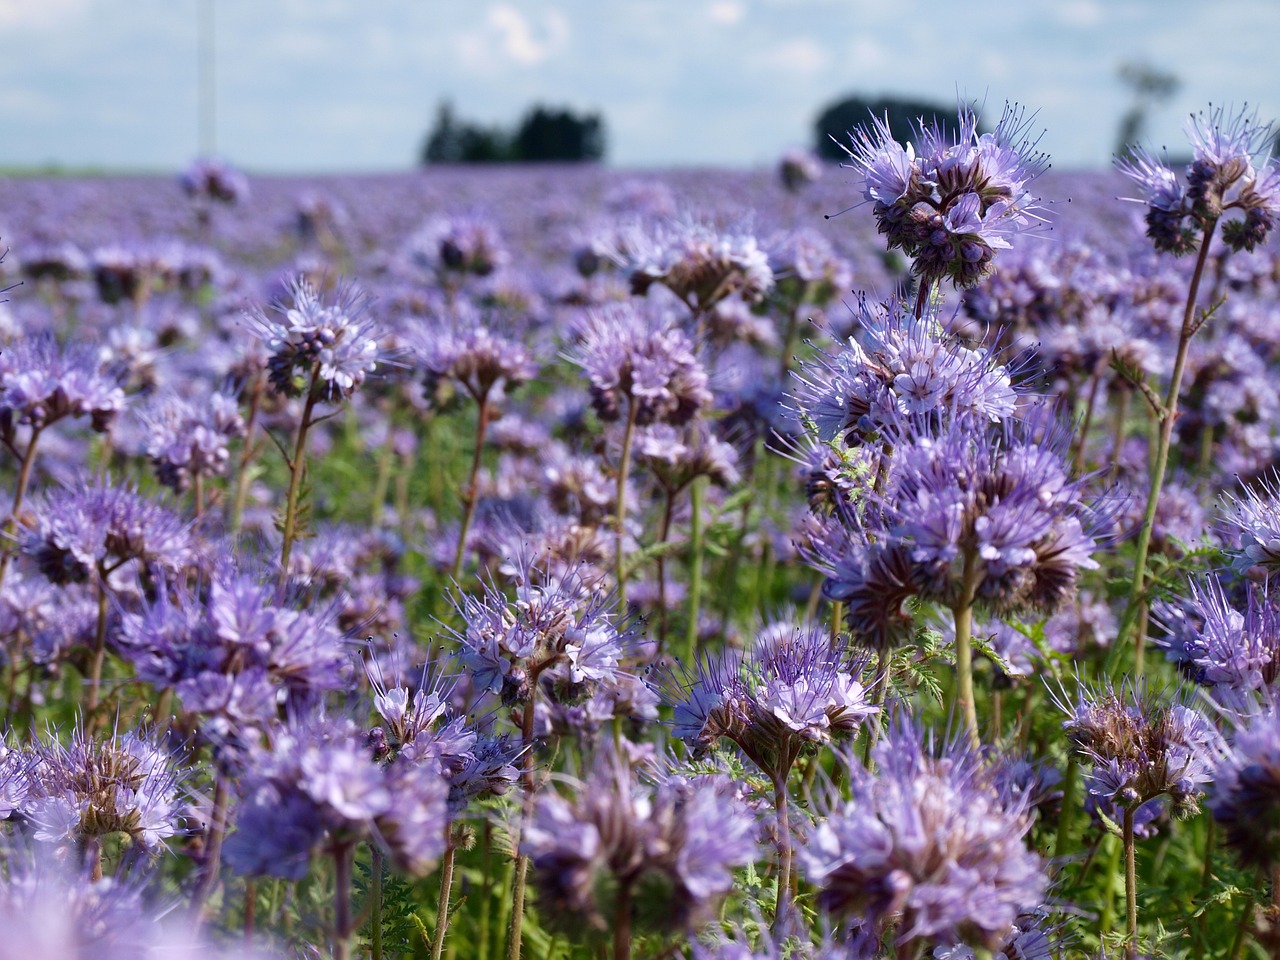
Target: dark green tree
column 545, row 134
column 837, row 120
column 559, row 135
column 456, row 141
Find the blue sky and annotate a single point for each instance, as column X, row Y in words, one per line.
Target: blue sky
column 352, row 85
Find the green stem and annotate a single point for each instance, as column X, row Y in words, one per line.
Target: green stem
column 246, row 455
column 442, row 905
column 527, row 782
column 212, row 860
column 695, row 566
column 781, row 806
column 620, row 510
column 1166, row 417
column 99, row 645
column 1069, row 784
column 1130, row 888
column 297, row 467
column 962, row 613
column 473, row 491
column 664, row 531
column 19, row 492
column 622, row 922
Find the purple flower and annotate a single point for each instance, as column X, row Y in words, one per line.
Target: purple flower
column 325, row 347
column 1222, row 177
column 41, row 383
column 1252, row 522
column 189, row 438
column 1246, row 788
column 792, row 689
column 92, row 788
column 1141, row 745
column 1219, row 646
column 677, row 839
column 90, row 530
column 209, row 178
column 928, row 840
column 638, row 370
column 456, row 343
column 950, row 205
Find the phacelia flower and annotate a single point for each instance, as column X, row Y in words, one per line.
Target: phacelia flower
column 929, row 841
column 189, row 438
column 458, row 345
column 950, row 205
column 1252, row 525
column 209, row 178
column 637, row 369
column 792, row 689
column 1222, row 177
column 317, row 346
column 675, row 842
column 93, row 528
column 1142, row 745
column 1246, row 789
column 1220, row 645
column 41, row 383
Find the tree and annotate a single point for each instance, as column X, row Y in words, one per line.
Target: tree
column 837, row 120
column 545, row 134
column 455, row 141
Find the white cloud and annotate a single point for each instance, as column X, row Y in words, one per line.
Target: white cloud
column 727, row 12
column 1078, row 13
column 38, row 14
column 521, row 42
column 800, row 56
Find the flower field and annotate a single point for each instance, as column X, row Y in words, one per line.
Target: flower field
column 569, row 562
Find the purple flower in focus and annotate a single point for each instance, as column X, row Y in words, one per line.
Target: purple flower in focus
column 950, row 205
column 317, row 345
column 1222, row 177
column 928, row 841
column 1141, row 745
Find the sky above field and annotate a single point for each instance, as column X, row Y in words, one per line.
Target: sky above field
column 353, row 85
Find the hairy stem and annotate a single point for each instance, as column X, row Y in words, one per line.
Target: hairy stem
column 297, row 467
column 695, row 566
column 620, row 517
column 473, row 492
column 782, row 808
column 342, row 901
column 19, row 493
column 1130, row 888
column 99, row 645
column 622, row 922
column 962, row 613
column 442, row 905
column 212, row 859
column 1166, row 417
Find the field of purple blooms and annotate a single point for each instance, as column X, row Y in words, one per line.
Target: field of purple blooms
column 565, row 562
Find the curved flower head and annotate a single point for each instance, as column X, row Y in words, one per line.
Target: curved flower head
column 1224, row 175
column 1217, row 644
column 1141, row 745
column 1252, row 525
column 673, row 841
column 325, row 346
column 950, row 202
column 929, row 840
column 42, row 382
column 633, row 364
column 792, row 689
column 1245, row 797
column 91, row 529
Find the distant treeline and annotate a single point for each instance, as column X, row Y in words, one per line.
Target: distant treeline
column 545, row 134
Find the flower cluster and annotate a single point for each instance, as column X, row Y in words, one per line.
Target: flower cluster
column 637, row 370
column 41, row 383
column 319, row 778
column 1222, row 177
column 1217, row 645
column 793, row 688
column 91, row 529
column 699, row 264
column 671, row 845
column 189, row 438
column 1141, row 745
column 950, row 202
column 904, row 367
column 321, row 348
column 929, row 841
